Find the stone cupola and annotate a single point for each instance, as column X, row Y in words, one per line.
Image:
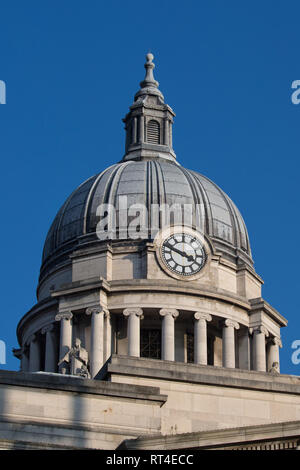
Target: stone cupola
column 149, row 122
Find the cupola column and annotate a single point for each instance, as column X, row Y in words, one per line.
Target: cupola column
column 34, row 353
column 65, row 319
column 107, row 333
column 166, row 132
column 200, row 337
column 228, row 343
column 97, row 336
column 141, row 129
column 273, row 353
column 50, row 348
column 259, row 348
column 170, row 135
column 133, row 330
column 134, row 130
column 168, row 333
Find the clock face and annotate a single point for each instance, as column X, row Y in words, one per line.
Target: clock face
column 183, row 254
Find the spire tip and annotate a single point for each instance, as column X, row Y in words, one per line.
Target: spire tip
column 149, row 57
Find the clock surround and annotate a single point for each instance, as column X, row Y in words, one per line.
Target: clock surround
column 182, row 252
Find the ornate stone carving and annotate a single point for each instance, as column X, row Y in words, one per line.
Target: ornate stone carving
column 231, row 323
column 77, row 360
column 169, row 311
column 261, row 329
column 275, row 368
column 202, row 316
column 47, row 328
column 133, row 311
column 96, row 310
column 30, row 339
column 64, row 316
column 276, row 340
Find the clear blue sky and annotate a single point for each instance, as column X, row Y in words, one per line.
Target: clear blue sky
column 71, row 70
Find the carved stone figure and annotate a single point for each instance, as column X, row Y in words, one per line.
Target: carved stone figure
column 275, row 368
column 76, row 361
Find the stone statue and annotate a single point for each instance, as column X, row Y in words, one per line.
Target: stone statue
column 275, row 368
column 76, row 360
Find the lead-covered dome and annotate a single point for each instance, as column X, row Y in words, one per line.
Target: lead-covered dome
column 148, row 174
column 149, row 182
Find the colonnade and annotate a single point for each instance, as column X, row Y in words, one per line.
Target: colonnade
column 265, row 349
column 201, row 319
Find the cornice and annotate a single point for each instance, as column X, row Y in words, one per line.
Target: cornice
column 260, row 305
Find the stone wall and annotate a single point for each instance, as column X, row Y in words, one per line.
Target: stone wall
column 204, row 397
column 54, row 411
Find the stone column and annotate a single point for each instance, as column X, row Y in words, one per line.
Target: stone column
column 170, row 135
column 141, row 130
column 97, row 336
column 34, row 354
column 244, row 348
column 273, row 353
column 168, row 333
column 166, row 132
column 65, row 334
column 259, row 348
column 50, row 349
column 25, row 359
column 134, row 130
column 200, row 337
column 133, row 330
column 107, row 330
column 228, row 343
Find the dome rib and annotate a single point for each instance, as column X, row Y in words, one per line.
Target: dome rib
column 198, row 197
column 95, row 184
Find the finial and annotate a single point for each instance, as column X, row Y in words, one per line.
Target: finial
column 149, row 57
column 149, row 80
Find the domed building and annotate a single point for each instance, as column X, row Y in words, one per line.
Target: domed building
column 148, row 299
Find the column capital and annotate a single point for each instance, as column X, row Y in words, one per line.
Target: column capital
column 94, row 310
column 202, row 316
column 231, row 323
column 261, row 329
column 30, row 339
column 47, row 328
column 64, row 316
column 169, row 311
column 107, row 314
column 276, row 340
column 133, row 311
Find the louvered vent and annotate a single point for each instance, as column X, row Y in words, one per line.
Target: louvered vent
column 153, row 132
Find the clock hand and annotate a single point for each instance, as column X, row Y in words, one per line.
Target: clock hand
column 182, row 253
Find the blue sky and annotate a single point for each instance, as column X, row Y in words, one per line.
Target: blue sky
column 71, row 69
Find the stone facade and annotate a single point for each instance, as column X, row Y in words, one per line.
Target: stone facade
column 139, row 403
